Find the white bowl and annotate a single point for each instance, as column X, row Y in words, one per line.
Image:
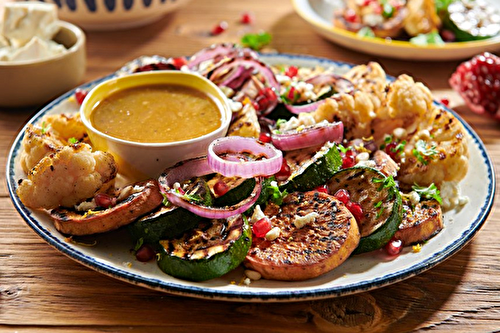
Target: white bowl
column 34, row 82
column 138, row 161
column 114, row 14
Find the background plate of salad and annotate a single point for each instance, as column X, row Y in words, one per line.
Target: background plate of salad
column 407, row 29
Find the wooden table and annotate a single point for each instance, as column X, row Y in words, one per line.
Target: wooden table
column 42, row 290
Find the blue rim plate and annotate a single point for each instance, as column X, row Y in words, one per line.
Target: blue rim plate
column 111, row 255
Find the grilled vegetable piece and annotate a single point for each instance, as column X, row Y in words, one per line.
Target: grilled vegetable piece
column 472, row 20
column 92, row 222
column 380, row 200
column 170, row 221
column 420, row 222
column 311, row 167
column 319, row 246
column 210, row 250
column 245, row 123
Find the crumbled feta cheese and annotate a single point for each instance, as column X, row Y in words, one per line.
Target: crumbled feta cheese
column 252, row 275
column 283, row 78
column 301, row 221
column 450, row 194
column 85, row 206
column 273, row 234
column 368, row 163
column 257, row 214
column 399, row 133
column 235, row 106
column 247, row 281
column 364, row 156
column 414, row 197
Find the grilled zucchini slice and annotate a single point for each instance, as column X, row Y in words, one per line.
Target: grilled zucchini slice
column 210, row 250
column 170, row 221
column 311, row 167
column 380, row 200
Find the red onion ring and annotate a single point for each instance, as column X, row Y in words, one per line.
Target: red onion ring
column 309, row 136
column 296, row 109
column 199, row 167
column 236, row 145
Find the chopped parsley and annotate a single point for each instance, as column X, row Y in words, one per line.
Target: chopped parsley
column 386, row 183
column 138, row 244
column 72, row 140
column 276, row 196
column 380, row 208
column 45, row 128
column 430, row 192
column 423, row 152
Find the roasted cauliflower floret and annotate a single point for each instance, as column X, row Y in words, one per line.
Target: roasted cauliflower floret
column 66, row 126
column 37, row 143
column 370, row 79
column 444, row 138
column 422, row 17
column 67, row 177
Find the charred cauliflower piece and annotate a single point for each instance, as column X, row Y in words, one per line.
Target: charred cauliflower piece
column 66, row 177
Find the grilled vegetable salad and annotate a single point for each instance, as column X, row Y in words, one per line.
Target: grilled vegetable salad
column 317, row 167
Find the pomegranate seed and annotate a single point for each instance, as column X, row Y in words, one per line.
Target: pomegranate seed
column 265, row 98
column 145, row 253
column 291, row 94
column 343, row 195
column 179, row 62
column 104, row 200
column 394, row 247
column 390, row 149
column 80, row 95
column 448, row 36
column 355, row 210
column 247, row 18
column 262, row 227
column 220, row 188
column 351, row 16
column 219, row 28
column 284, row 172
column 291, row 71
column 349, row 160
column 265, row 137
column 445, row 101
column 322, row 188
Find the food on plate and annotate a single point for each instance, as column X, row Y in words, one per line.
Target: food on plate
column 318, row 165
column 478, row 82
column 421, row 22
column 67, row 177
column 105, row 213
column 27, row 30
column 420, row 221
column 472, row 20
column 383, row 18
column 317, row 234
column 166, row 110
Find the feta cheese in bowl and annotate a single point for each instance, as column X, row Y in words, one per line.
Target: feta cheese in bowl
column 42, row 56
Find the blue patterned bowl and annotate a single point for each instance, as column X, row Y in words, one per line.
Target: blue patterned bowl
column 114, row 14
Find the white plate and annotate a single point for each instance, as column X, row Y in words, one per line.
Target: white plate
column 112, row 256
column 319, row 14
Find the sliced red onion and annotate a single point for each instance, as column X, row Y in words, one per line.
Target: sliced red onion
column 267, row 159
column 310, row 136
column 217, row 52
column 296, row 109
column 237, row 77
column 337, row 82
column 199, row 167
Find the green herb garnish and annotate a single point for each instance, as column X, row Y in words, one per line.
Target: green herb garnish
column 432, row 38
column 430, row 192
column 386, row 183
column 72, row 140
column 366, row 32
column 276, row 195
column 256, row 41
column 138, row 244
column 423, row 152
